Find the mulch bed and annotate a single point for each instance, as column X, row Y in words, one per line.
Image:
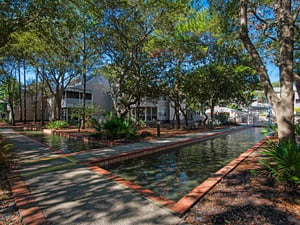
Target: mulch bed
column 9, row 214
column 247, row 197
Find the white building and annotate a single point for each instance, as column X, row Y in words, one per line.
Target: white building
column 97, row 89
column 261, row 111
column 234, row 115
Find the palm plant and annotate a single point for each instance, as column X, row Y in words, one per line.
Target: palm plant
column 282, row 161
column 270, row 128
column 297, row 130
column 117, row 127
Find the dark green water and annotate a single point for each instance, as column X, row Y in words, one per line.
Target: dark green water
column 174, row 173
column 60, row 143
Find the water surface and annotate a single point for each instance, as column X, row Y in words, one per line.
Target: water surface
column 174, row 173
column 63, row 144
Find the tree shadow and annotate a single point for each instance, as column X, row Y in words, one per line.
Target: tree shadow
column 80, row 196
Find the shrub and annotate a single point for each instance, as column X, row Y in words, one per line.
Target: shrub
column 222, row 117
column 282, row 161
column 145, row 134
column 274, row 129
column 57, row 124
column 73, row 122
column 297, row 130
column 117, row 127
column 92, row 122
column 98, row 127
column 231, row 123
column 5, row 153
column 271, row 128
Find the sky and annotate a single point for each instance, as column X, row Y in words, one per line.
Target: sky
column 273, row 72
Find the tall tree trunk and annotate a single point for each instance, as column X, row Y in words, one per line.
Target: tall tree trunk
column 43, row 97
column 24, row 93
column 11, row 99
column 12, row 111
column 286, row 42
column 177, row 109
column 20, row 93
column 283, row 106
column 176, row 99
column 58, row 98
column 212, row 113
column 184, row 112
column 186, row 119
column 84, row 83
column 83, row 100
column 36, row 96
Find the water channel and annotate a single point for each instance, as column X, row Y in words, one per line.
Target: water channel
column 174, row 173
column 63, row 144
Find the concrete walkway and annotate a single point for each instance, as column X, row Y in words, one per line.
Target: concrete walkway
column 55, row 189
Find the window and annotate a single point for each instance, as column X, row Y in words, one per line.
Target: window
column 77, row 95
column 72, row 94
column 88, row 96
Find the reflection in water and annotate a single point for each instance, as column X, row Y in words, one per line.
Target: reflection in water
column 176, row 172
column 60, row 143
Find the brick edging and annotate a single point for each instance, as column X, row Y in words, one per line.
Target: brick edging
column 29, row 210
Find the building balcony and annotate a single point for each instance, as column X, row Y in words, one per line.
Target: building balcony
column 72, row 102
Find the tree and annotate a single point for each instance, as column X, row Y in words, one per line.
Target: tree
column 179, row 49
column 280, row 28
column 220, row 84
column 51, row 47
column 126, row 28
column 45, row 35
column 224, row 75
column 268, row 30
column 14, row 17
column 9, row 86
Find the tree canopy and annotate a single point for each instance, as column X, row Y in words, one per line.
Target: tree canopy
column 144, row 48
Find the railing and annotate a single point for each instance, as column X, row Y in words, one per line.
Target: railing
column 71, row 102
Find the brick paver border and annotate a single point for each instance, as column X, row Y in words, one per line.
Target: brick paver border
column 29, row 210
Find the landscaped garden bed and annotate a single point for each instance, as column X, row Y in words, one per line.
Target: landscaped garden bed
column 246, row 197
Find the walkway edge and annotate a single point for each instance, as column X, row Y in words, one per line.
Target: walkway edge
column 29, row 210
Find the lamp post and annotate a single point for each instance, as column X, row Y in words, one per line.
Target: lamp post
column 158, row 128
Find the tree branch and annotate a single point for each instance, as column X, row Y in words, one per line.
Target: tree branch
column 258, row 17
column 255, row 57
column 296, row 13
column 265, row 26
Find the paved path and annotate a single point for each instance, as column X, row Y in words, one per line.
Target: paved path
column 55, row 189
